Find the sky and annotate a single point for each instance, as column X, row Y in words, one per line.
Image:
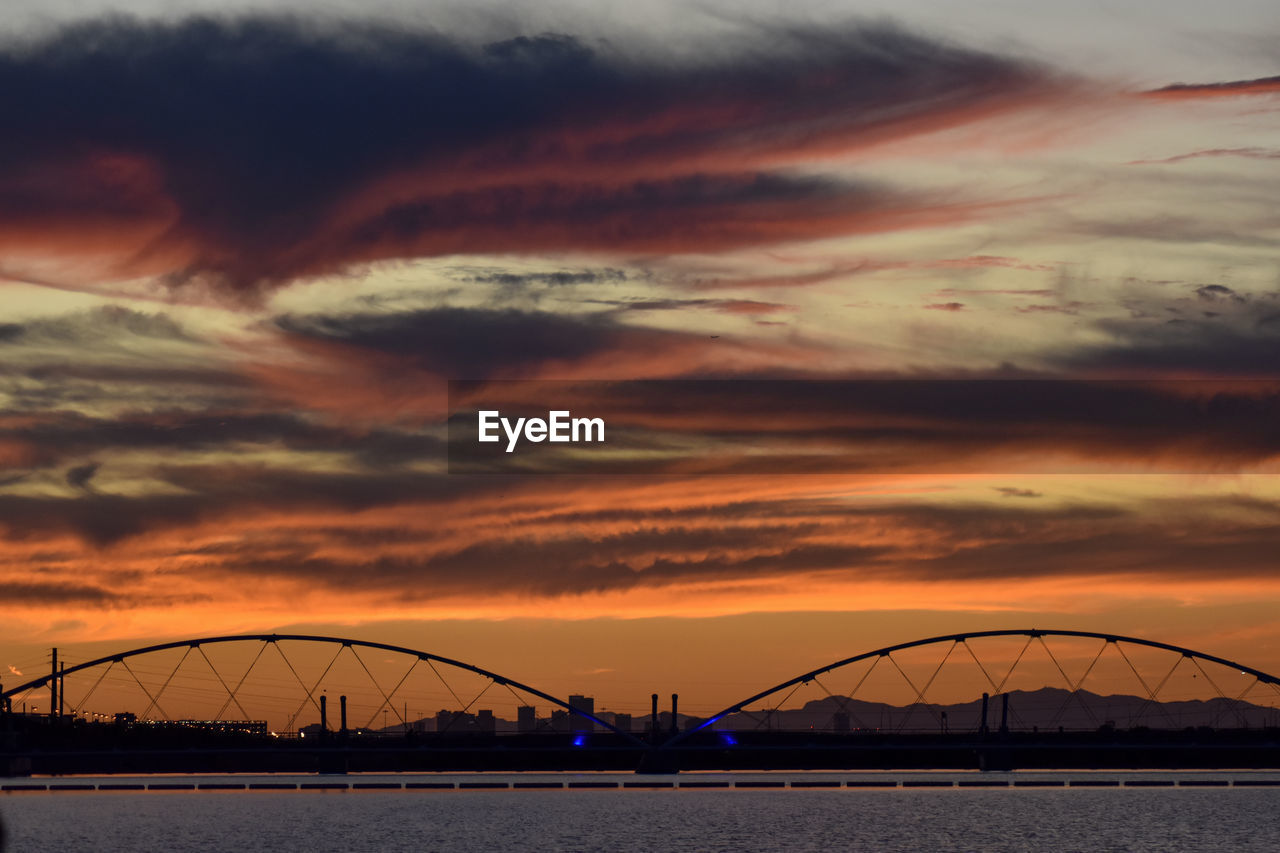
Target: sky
column 244, row 248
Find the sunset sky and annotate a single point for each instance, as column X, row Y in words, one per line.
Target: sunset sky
column 244, row 247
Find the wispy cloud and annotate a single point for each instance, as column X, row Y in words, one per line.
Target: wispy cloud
column 1246, row 153
column 1226, row 89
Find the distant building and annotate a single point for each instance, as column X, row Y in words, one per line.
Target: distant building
column 455, row 722
column 485, row 722
column 526, row 719
column 559, row 721
column 587, row 705
column 622, row 721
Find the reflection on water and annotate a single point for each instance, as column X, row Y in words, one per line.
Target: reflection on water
column 797, row 818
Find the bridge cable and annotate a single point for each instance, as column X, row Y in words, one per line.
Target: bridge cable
column 843, row 702
column 1240, row 702
column 777, row 707
column 262, row 648
column 309, row 693
column 996, row 688
column 172, row 673
column 864, row 678
column 85, row 700
column 218, row 676
column 1014, row 665
column 1226, row 703
column 467, row 707
column 991, row 681
column 1156, row 693
column 520, row 700
column 154, row 703
column 1143, row 682
column 919, row 697
column 1075, row 688
column 386, row 697
column 447, row 685
column 1013, row 712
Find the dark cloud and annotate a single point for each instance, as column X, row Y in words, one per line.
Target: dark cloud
column 100, row 357
column 50, row 374
column 20, row 593
column 966, row 542
column 1241, row 337
column 882, row 425
column 727, row 306
column 55, row 437
column 475, row 343
column 1214, row 292
column 255, row 150
column 1183, row 229
column 1116, row 551
column 97, row 519
column 560, row 278
column 81, row 476
column 1011, row 492
column 207, row 493
column 108, row 323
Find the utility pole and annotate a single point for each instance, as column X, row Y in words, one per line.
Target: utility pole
column 53, row 687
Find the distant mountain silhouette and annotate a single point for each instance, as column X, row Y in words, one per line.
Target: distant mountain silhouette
column 1046, row 708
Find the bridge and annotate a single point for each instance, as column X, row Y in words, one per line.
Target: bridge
column 309, row 693
column 985, row 684
column 1226, row 691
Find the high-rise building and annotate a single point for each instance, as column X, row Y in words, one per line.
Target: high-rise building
column 526, row 719
column 586, row 704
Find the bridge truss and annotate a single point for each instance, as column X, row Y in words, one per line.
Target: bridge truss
column 284, row 680
column 1054, row 679
column 1074, row 680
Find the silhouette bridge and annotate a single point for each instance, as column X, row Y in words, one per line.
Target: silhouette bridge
column 262, row 702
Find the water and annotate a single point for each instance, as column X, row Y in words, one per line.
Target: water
column 896, row 819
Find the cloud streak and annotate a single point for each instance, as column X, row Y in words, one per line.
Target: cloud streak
column 1226, row 89
column 248, row 152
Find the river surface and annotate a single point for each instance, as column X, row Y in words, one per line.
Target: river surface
column 1077, row 811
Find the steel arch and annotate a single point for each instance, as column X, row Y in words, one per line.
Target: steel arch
column 1032, row 633
column 314, row 638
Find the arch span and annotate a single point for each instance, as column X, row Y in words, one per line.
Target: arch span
column 347, row 642
column 1029, row 633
